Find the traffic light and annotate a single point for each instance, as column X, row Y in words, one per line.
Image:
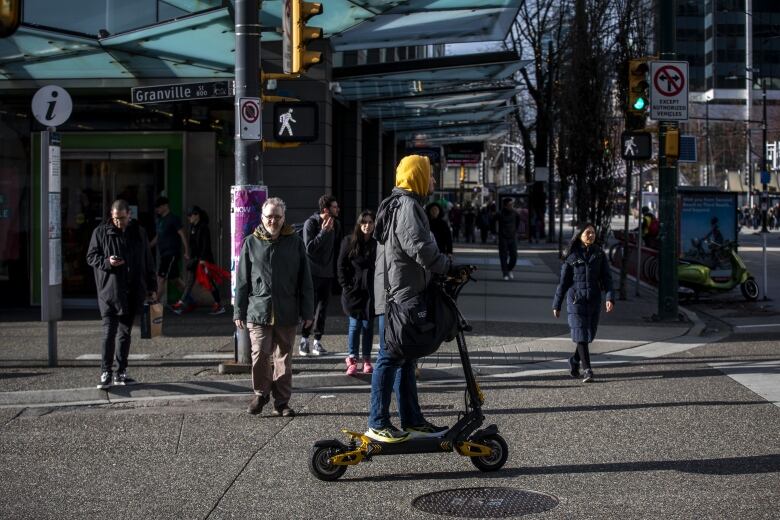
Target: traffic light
column 638, row 87
column 10, row 17
column 300, row 35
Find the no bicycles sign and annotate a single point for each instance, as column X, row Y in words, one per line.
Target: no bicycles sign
column 250, row 126
column 669, row 90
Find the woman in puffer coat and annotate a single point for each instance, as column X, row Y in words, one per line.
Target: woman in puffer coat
column 355, row 269
column 585, row 274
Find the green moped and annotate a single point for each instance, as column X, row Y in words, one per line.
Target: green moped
column 715, row 268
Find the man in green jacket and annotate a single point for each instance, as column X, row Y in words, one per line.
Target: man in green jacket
column 273, row 291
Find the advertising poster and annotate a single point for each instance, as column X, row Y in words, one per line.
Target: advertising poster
column 708, row 220
column 246, row 204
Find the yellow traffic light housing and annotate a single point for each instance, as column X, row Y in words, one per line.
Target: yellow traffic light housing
column 10, row 17
column 638, row 87
column 302, row 58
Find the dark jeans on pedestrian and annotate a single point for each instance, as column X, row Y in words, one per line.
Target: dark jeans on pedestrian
column 321, row 296
column 116, row 329
column 393, row 375
column 582, row 355
column 507, row 253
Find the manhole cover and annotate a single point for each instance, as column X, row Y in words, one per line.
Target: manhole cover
column 485, row 502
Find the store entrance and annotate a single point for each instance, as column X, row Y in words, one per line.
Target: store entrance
column 91, row 181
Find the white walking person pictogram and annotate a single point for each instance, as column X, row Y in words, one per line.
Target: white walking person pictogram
column 285, row 119
column 629, row 147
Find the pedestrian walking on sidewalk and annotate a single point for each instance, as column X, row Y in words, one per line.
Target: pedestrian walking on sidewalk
column 169, row 241
column 201, row 258
column 508, row 222
column 321, row 237
column 273, row 292
column 356, row 277
column 439, row 228
column 120, row 255
column 585, row 274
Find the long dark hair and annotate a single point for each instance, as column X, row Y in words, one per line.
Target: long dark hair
column 203, row 217
column 356, row 242
column 575, row 242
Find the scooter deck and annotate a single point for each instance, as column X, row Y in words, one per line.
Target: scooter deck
column 438, row 444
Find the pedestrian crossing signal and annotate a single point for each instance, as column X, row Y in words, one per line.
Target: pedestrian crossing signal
column 638, row 86
column 296, row 122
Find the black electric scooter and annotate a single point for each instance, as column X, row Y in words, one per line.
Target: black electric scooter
column 486, row 449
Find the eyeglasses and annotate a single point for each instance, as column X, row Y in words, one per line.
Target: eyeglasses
column 273, row 217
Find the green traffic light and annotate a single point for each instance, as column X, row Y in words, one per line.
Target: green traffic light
column 640, row 103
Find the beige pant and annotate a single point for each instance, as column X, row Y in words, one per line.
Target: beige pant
column 272, row 342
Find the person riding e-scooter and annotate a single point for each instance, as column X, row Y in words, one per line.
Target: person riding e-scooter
column 406, row 247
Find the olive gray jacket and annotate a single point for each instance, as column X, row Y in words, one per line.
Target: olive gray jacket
column 407, row 247
column 273, row 284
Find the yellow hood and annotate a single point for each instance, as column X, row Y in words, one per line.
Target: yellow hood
column 413, row 174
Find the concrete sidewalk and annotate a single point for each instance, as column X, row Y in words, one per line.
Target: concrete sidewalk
column 513, row 327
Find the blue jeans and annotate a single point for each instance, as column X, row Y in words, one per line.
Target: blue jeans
column 390, row 375
column 360, row 331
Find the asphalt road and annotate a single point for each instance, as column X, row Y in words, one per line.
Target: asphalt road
column 665, row 438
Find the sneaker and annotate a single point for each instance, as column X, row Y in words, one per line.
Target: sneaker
column 217, row 309
column 387, row 434
column 257, row 404
column 506, row 277
column 574, row 368
column 318, row 349
column 511, row 275
column 426, row 429
column 185, row 309
column 588, row 376
column 179, row 305
column 367, row 368
column 351, row 366
column 105, row 380
column 121, row 378
column 303, row 347
column 285, row 411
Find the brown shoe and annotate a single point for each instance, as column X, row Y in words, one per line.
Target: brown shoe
column 284, row 412
column 257, row 404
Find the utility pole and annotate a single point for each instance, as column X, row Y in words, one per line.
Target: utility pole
column 708, row 175
column 248, row 154
column 667, row 179
column 764, row 180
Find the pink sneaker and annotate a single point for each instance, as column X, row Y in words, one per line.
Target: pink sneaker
column 367, row 368
column 351, row 366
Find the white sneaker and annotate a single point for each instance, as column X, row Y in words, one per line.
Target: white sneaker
column 511, row 275
column 303, row 347
column 506, row 277
column 318, row 349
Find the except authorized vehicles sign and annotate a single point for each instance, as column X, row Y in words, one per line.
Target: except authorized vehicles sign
column 669, row 90
column 181, row 92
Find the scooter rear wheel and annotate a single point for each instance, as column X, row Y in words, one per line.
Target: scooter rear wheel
column 750, row 289
column 320, row 466
column 498, row 456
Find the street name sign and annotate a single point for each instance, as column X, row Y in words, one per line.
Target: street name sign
column 636, row 146
column 669, row 90
column 181, row 92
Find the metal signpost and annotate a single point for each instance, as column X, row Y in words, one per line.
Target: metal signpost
column 668, row 105
column 51, row 106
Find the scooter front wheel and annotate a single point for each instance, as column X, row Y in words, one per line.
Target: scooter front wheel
column 320, row 466
column 750, row 289
column 498, row 455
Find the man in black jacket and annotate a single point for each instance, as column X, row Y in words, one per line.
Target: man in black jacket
column 124, row 274
column 508, row 222
column 321, row 237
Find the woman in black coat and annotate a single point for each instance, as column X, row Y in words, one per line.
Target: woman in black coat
column 355, row 271
column 200, row 253
column 439, row 228
column 585, row 274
